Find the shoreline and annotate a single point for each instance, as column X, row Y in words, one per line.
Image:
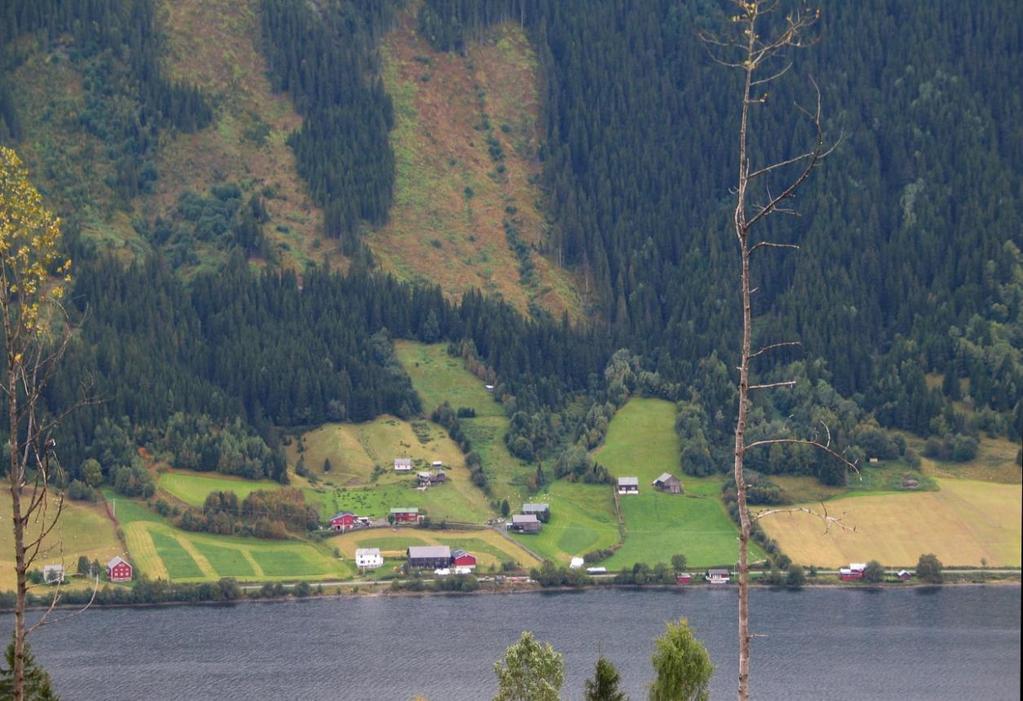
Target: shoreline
column 358, row 592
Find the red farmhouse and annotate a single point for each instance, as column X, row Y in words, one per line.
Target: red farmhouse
column 405, row 515
column 119, row 570
column 343, row 521
column 461, row 558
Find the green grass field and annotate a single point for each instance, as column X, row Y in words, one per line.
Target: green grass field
column 193, row 487
column 641, row 441
column 582, row 519
column 437, row 377
column 457, row 500
column 159, row 550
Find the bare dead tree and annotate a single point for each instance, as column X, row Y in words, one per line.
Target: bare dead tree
column 760, row 60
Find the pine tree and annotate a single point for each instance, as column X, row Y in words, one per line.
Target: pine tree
column 604, row 684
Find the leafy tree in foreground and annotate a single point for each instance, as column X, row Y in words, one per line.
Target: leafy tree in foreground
column 682, row 665
column 530, row 671
column 928, row 569
column 36, row 680
column 604, row 684
column 35, row 337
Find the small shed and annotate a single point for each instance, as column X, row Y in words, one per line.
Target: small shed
column 119, row 570
column 437, row 464
column 628, row 485
column 368, row 558
column 429, row 556
column 904, row 575
column 53, row 574
column 668, row 482
column 683, row 578
column 403, row 464
column 462, row 559
column 525, row 523
column 405, row 514
column 343, row 521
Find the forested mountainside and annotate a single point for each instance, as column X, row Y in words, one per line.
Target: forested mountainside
column 195, row 295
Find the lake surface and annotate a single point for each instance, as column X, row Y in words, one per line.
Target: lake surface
column 953, row 643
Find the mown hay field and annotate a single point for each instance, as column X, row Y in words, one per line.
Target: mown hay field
column 966, row 522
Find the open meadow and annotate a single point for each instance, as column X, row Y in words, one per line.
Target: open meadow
column 641, row 442
column 193, row 487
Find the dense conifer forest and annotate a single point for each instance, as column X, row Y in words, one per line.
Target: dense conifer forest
column 907, row 294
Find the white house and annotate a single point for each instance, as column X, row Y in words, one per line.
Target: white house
column 53, row 574
column 718, row 576
column 403, row 464
column 368, row 558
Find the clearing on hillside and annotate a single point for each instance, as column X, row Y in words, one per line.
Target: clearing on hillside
column 438, row 377
column 355, row 451
column 83, row 529
column 466, row 212
column 212, row 43
column 641, row 442
column 963, row 523
column 193, row 487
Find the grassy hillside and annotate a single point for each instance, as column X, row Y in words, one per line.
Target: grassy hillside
column 467, row 210
column 213, row 43
column 641, row 441
column 83, row 529
column 193, row 487
column 437, row 377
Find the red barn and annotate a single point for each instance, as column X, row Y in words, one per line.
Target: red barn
column 119, row 570
column 460, row 558
column 683, row 578
column 343, row 521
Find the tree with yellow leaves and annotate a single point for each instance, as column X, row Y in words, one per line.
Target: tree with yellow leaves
column 35, row 336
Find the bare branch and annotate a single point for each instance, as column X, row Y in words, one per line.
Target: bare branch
column 823, row 515
column 771, row 244
column 773, row 346
column 769, row 385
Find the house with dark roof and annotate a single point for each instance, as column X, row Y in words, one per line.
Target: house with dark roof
column 628, row 485
column 429, row 556
column 525, row 523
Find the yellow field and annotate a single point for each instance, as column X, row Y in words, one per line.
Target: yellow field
column 963, row 523
column 84, row 529
column 489, row 547
column 355, row 449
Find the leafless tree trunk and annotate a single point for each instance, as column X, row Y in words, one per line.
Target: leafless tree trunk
column 754, row 55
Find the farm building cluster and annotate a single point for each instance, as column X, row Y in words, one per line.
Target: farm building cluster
column 531, row 518
column 441, row 559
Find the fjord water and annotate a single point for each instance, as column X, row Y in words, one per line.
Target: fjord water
column 950, row 643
